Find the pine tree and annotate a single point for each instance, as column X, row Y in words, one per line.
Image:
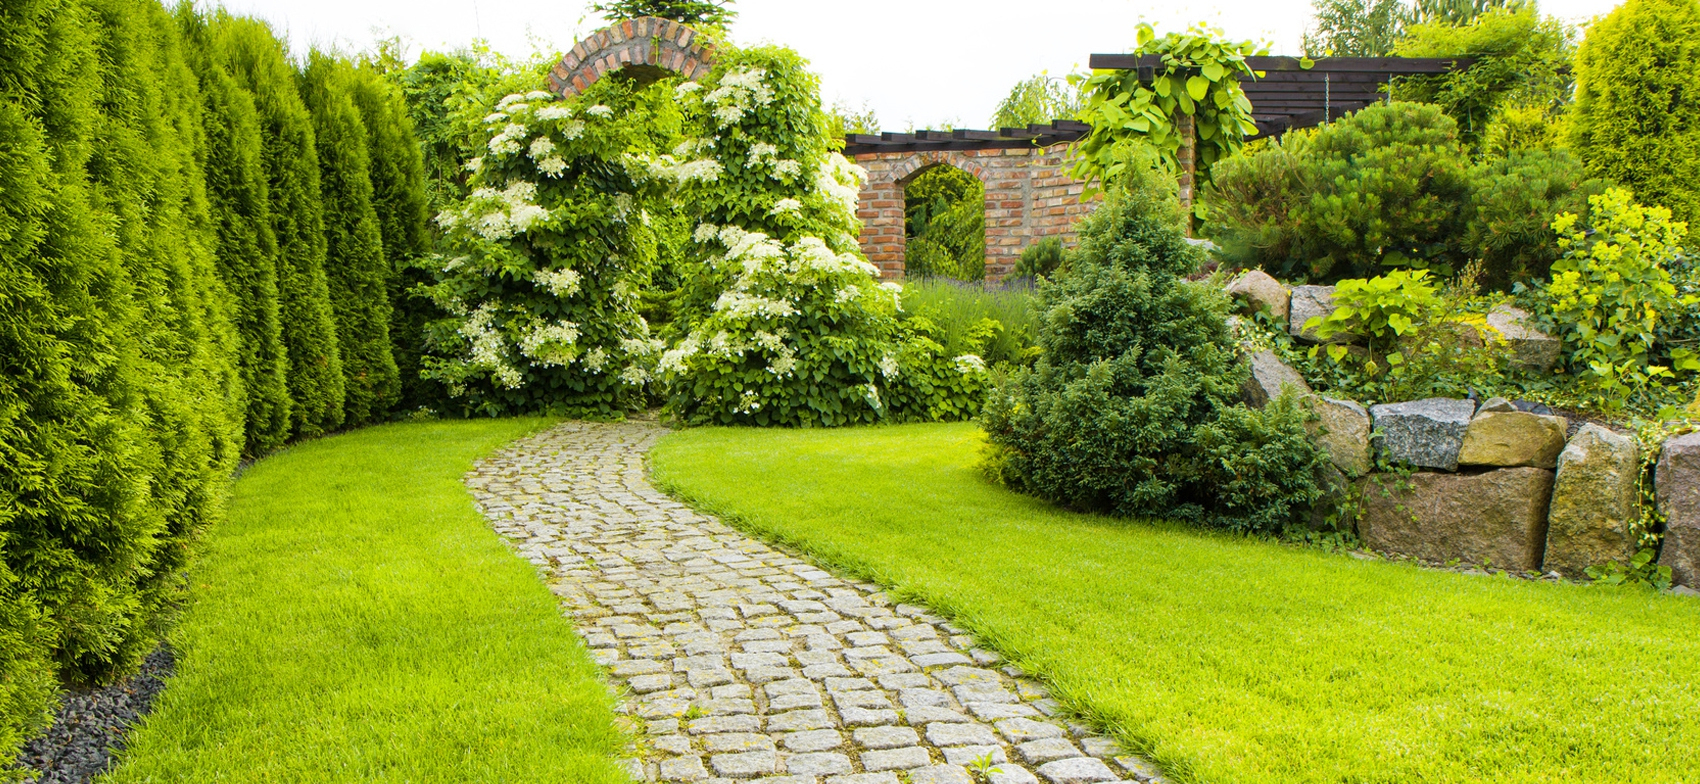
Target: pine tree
column 354, row 257
column 257, row 60
column 398, row 194
column 231, row 158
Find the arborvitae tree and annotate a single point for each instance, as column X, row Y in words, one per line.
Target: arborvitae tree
column 354, row 257
column 398, row 194
column 246, row 250
column 1637, row 115
column 257, row 59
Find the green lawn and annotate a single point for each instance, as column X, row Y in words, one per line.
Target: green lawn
column 1232, row 661
column 355, row 620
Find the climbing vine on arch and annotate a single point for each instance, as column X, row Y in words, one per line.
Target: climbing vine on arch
column 1199, row 77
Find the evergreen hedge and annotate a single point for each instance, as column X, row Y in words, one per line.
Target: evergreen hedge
column 1637, row 115
column 164, row 308
column 355, row 267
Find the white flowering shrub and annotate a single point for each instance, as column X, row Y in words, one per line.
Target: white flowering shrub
column 789, row 324
column 544, row 259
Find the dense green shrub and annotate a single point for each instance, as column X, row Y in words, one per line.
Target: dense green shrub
column 1042, row 258
column 356, row 269
column 246, row 250
column 398, row 196
column 944, row 216
column 1520, row 59
column 1636, row 120
column 1381, row 187
column 257, row 60
column 998, row 325
column 1127, row 409
column 1509, row 216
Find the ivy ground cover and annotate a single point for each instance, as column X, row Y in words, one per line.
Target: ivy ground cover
column 1229, row 659
column 356, row 620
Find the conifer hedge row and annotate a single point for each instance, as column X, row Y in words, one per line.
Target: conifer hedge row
column 198, row 239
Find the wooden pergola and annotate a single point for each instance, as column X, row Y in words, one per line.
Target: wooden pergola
column 1289, row 95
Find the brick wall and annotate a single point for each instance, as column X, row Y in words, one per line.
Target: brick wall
column 1029, row 195
column 646, row 41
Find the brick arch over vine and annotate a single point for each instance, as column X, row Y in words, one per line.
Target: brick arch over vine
column 1029, row 196
column 645, row 46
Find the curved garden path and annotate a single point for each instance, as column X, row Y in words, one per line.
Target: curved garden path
column 748, row 662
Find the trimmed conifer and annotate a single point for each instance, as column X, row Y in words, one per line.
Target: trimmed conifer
column 354, row 250
column 257, row 60
column 246, row 250
column 398, row 194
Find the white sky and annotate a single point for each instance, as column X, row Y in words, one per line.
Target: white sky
column 924, row 62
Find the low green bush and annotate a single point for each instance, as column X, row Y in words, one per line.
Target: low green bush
column 1040, row 259
column 1132, row 407
column 1508, row 222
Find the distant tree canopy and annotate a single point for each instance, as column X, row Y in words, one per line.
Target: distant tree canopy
column 1372, row 28
column 1037, row 99
column 691, row 12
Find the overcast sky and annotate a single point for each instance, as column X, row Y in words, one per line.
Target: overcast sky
column 924, row 62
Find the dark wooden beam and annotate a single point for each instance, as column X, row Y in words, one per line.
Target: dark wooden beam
column 1359, row 65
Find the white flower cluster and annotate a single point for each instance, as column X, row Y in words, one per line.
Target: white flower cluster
column 550, row 343
column 970, row 364
column 784, row 361
column 498, row 214
column 489, row 348
column 737, row 92
column 787, row 206
column 889, row 366
column 840, row 181
column 667, row 167
column 560, row 282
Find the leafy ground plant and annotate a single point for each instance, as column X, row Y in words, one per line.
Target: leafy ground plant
column 1225, row 658
column 356, row 620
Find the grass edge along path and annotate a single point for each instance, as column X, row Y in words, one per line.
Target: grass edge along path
column 357, row 620
column 1228, row 660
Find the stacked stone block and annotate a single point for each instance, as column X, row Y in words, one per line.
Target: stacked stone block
column 646, row 41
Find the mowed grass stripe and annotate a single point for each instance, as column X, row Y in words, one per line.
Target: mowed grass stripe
column 1232, row 661
column 356, row 620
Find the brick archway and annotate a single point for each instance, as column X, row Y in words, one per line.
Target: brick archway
column 1028, row 196
column 643, row 44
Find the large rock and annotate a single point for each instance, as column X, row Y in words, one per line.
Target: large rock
column 1259, row 291
column 1678, row 486
column 1309, row 302
column 1513, row 438
column 1530, row 347
column 1342, row 430
column 1424, row 433
column 1594, row 502
column 1498, row 518
column 1269, row 375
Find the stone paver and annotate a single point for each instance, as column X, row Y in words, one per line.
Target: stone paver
column 750, row 663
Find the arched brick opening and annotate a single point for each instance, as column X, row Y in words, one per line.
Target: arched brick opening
column 921, row 163
column 646, row 47
column 1029, row 195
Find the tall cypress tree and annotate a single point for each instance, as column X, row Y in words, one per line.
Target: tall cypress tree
column 398, row 194
column 231, row 158
column 257, row 60
column 354, row 250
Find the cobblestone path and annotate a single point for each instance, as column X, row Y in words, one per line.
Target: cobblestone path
column 746, row 662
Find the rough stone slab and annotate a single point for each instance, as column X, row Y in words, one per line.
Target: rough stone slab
column 877, row 738
column 1308, row 302
column 895, row 759
column 1257, row 290
column 1343, row 431
column 940, row 774
column 683, row 769
column 1079, row 770
column 1038, row 752
column 971, row 755
column 818, row 764
column 1530, row 347
column 745, row 764
column 1594, row 502
column 1498, row 517
column 960, row 735
column 1023, row 730
column 1677, row 482
column 1269, row 378
column 812, row 740
column 1423, row 433
column 1010, row 774
column 1505, row 439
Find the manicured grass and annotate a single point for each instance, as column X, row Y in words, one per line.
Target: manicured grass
column 1232, row 661
column 355, row 620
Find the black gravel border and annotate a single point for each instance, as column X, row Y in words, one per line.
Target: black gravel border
column 90, row 724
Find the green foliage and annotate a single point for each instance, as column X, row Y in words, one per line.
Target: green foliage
column 357, row 272
column 1380, row 310
column 399, row 198
column 1507, row 223
column 945, row 222
column 843, row 119
column 257, row 60
column 1520, row 59
column 1610, row 291
column 1454, row 12
column 1355, row 28
column 713, row 13
column 998, row 325
column 1380, row 188
column 1641, row 570
column 1636, row 120
column 792, row 326
column 1042, row 258
column 1037, row 100
column 1199, row 78
column 1127, row 408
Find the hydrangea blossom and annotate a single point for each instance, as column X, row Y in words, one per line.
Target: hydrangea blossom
column 560, row 282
